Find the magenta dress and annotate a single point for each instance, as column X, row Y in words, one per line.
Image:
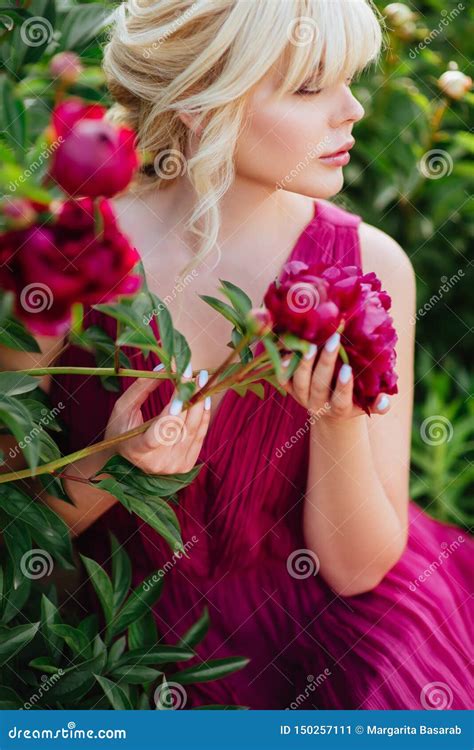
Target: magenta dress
column 404, row 645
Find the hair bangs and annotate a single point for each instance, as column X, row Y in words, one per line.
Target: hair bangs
column 328, row 41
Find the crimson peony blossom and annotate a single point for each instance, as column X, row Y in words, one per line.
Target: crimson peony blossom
column 53, row 266
column 314, row 301
column 94, row 158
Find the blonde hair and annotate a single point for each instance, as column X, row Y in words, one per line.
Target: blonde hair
column 205, row 58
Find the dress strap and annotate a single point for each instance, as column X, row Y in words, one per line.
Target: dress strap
column 332, row 236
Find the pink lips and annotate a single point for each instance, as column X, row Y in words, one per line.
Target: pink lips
column 339, row 158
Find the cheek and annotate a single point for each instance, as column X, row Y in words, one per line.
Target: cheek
column 281, row 144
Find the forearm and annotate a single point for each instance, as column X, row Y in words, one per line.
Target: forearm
column 89, row 502
column 349, row 522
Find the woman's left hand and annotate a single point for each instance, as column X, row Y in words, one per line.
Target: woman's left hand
column 311, row 387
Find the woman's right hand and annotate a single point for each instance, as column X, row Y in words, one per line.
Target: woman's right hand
column 172, row 443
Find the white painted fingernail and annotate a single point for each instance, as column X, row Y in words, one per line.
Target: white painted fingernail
column 333, row 342
column 203, row 378
column 159, row 367
column 207, row 403
column 188, row 371
column 383, row 403
column 345, row 373
column 311, row 351
column 175, row 407
column 285, row 362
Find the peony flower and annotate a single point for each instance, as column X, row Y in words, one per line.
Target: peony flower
column 314, row 301
column 51, row 267
column 454, row 84
column 94, row 158
column 66, row 66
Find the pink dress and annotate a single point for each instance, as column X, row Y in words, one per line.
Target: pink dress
column 404, row 645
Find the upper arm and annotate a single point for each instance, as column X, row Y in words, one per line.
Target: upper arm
column 390, row 434
column 12, row 359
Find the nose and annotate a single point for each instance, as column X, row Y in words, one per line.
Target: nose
column 350, row 108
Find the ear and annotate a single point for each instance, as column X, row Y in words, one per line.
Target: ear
column 191, row 122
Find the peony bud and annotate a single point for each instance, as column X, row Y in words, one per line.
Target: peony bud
column 398, row 14
column 454, row 84
column 94, row 158
column 19, row 213
column 260, row 321
column 66, row 66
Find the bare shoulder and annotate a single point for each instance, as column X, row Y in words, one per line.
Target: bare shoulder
column 382, row 254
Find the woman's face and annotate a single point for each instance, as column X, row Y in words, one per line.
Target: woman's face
column 285, row 144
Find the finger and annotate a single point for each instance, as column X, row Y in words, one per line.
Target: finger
column 170, row 427
column 382, row 404
column 176, row 405
column 137, row 393
column 341, row 400
column 196, row 445
column 194, row 412
column 323, row 371
column 302, row 375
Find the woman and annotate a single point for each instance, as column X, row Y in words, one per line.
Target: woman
column 302, row 540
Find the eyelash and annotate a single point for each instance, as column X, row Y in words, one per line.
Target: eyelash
column 303, row 92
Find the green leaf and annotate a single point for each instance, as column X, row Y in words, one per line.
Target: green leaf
column 50, row 616
column 239, row 299
column 151, row 485
column 135, row 675
column 121, row 573
column 102, row 585
column 124, row 313
column 75, row 639
column 182, row 352
column 224, row 309
column 18, row 420
column 211, row 670
column 114, row 693
column 157, row 655
column 140, row 601
column 12, row 118
column 115, row 652
column 13, row 640
column 12, row 383
column 9, row 700
column 43, row 664
column 196, row 632
column 162, row 518
column 14, row 335
column 142, row 632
